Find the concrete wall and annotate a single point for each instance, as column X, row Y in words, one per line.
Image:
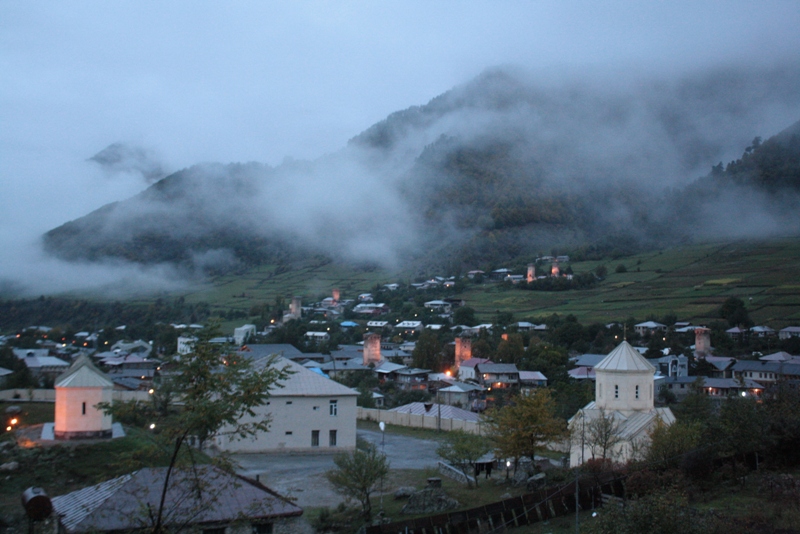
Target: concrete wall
column 418, row 421
column 49, row 395
column 294, row 418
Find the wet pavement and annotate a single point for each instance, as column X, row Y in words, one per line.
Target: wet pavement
column 301, row 476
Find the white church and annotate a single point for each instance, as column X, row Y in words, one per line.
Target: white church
column 78, row 391
column 624, row 392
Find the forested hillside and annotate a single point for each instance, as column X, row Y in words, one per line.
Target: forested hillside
column 496, row 169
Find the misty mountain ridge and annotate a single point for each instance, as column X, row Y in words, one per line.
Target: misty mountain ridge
column 495, row 169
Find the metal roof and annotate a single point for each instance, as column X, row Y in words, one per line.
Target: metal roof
column 200, row 495
column 83, row 374
column 305, row 382
column 624, row 358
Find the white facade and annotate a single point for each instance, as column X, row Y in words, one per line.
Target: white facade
column 311, row 413
column 78, row 391
column 623, row 392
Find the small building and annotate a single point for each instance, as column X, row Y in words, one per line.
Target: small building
column 41, row 365
column 649, row 327
column 78, row 392
column 205, row 499
column 789, row 332
column 412, row 379
column 532, row 379
column 762, row 331
column 497, row 375
column 466, row 369
column 243, row 334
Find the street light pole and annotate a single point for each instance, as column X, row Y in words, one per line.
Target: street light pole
column 382, row 426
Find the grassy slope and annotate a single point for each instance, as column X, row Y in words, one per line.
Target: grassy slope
column 691, row 282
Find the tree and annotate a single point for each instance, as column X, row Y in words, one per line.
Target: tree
column 218, row 393
column 525, row 425
column 602, row 435
column 357, row 474
column 511, row 350
column 427, row 351
column 463, row 450
column 464, row 315
column 734, row 312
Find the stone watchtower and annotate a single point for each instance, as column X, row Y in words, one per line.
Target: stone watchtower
column 624, row 381
column 531, row 273
column 702, row 341
column 372, row 349
column 78, row 391
column 463, row 349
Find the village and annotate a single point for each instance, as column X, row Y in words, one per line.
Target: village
column 422, row 371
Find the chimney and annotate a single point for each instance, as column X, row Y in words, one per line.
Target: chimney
column 702, row 341
column 531, row 272
column 463, row 349
column 372, row 349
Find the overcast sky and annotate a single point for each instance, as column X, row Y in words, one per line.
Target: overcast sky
column 260, row 81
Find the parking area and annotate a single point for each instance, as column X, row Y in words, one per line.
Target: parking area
column 301, row 476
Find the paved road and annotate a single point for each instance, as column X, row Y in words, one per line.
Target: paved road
column 301, row 476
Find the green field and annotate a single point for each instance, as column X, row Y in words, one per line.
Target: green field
column 691, row 282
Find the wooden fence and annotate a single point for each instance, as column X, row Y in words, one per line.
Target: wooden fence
column 419, row 421
column 514, row 512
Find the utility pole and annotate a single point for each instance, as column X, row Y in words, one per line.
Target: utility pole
column 577, row 506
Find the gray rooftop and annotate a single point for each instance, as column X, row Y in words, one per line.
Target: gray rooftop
column 120, row 504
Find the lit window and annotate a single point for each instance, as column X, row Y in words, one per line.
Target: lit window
column 334, row 408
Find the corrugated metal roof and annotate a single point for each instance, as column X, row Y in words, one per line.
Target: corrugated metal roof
column 83, row 374
column 304, row 382
column 624, row 358
column 200, row 495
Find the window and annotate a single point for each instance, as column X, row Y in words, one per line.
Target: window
column 334, row 408
column 316, row 408
column 616, row 391
column 263, row 528
column 600, row 392
column 332, row 438
column 220, row 530
column 288, row 432
column 637, row 392
column 315, row 438
column 83, row 408
column 288, row 402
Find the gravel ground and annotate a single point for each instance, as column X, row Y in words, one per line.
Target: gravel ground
column 301, row 476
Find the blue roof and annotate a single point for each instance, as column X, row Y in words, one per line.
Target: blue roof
column 349, row 324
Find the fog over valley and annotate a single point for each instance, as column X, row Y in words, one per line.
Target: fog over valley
column 127, row 168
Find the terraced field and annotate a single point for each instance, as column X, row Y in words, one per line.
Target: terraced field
column 690, row 282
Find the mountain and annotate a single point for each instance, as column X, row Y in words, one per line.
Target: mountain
column 501, row 167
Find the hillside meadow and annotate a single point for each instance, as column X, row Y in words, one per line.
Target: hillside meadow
column 690, row 282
